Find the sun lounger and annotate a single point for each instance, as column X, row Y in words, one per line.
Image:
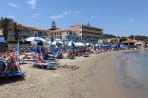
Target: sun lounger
column 17, row 73
column 86, row 55
column 12, row 74
column 2, row 74
column 52, row 60
column 71, row 57
column 44, row 65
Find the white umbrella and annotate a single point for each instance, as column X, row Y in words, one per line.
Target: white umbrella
column 79, row 44
column 97, row 45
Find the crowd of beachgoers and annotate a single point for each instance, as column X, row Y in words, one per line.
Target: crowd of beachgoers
column 79, row 67
column 10, row 60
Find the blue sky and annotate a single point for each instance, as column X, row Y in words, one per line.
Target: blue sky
column 118, row 17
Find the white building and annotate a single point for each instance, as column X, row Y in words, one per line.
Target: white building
column 139, row 44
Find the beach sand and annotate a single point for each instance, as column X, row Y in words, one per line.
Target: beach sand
column 95, row 78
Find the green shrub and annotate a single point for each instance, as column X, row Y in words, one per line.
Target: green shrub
column 13, row 41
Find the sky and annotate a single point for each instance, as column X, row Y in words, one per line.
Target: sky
column 117, row 17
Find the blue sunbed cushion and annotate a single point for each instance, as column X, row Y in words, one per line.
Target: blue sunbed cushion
column 49, row 64
column 2, row 74
column 15, row 73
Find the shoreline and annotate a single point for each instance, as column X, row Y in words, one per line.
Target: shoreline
column 95, row 78
column 128, row 76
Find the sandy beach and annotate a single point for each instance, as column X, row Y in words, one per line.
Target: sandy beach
column 95, row 78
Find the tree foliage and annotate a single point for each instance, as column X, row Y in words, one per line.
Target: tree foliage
column 53, row 26
column 136, row 37
column 105, row 36
column 16, row 27
column 5, row 23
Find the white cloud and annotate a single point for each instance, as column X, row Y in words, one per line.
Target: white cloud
column 131, row 20
column 76, row 13
column 14, row 5
column 92, row 17
column 59, row 16
column 35, row 15
column 56, row 16
column 32, row 3
column 12, row 17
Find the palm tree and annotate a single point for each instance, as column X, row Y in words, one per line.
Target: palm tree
column 5, row 23
column 16, row 28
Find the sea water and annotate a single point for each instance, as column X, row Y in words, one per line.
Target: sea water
column 132, row 72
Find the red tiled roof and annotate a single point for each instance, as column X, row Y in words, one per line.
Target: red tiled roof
column 129, row 41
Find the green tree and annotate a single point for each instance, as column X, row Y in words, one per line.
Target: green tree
column 123, row 39
column 5, row 23
column 16, row 27
column 132, row 37
column 108, row 36
column 53, row 26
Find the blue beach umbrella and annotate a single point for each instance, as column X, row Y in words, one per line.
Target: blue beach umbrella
column 114, row 45
column 2, row 41
column 57, row 42
column 49, row 43
column 88, row 44
column 36, row 40
column 71, row 43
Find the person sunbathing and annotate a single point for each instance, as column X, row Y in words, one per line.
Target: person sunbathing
column 41, row 57
column 59, row 54
column 68, row 54
column 46, row 56
column 12, row 63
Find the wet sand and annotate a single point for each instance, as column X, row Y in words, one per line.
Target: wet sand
column 95, row 78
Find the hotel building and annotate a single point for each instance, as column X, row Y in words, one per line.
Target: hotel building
column 61, row 33
column 87, row 32
column 27, row 31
